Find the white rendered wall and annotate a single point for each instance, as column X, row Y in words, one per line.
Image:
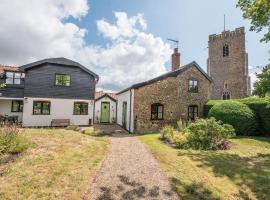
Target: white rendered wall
column 5, row 109
column 125, row 96
column 98, row 109
column 60, row 109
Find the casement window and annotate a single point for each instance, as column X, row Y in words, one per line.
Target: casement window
column 225, row 50
column 157, row 111
column 41, row 108
column 13, row 78
column 226, row 96
column 192, row 112
column 80, row 108
column 62, row 79
column 17, row 106
column 193, row 85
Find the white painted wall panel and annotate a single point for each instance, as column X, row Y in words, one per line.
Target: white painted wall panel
column 5, row 109
column 98, row 109
column 60, row 109
column 125, row 97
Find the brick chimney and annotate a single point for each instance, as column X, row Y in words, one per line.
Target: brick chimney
column 175, row 59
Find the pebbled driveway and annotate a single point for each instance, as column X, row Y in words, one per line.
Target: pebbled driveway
column 129, row 172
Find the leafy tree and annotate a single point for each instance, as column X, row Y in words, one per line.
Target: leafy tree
column 262, row 85
column 258, row 11
column 2, row 85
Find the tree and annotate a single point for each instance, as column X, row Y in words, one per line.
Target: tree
column 262, row 85
column 2, row 85
column 258, row 11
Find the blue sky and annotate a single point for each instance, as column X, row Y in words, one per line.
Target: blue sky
column 189, row 21
column 123, row 41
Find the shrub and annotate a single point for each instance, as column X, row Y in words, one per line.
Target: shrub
column 181, row 125
column 167, row 133
column 95, row 132
column 208, row 134
column 11, row 141
column 237, row 114
column 73, row 128
column 180, row 141
column 259, row 106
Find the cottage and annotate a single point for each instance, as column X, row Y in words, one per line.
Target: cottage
column 180, row 93
column 53, row 91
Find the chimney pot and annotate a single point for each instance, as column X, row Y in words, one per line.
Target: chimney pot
column 175, row 60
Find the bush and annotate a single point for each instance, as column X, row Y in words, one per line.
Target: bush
column 11, row 141
column 180, row 141
column 167, row 133
column 181, row 125
column 73, row 128
column 208, row 134
column 237, row 114
column 259, row 106
column 94, row 132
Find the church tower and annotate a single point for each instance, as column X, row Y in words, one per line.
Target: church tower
column 227, row 65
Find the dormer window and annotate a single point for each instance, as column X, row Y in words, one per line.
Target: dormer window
column 13, row 78
column 193, row 85
column 62, row 79
column 225, row 50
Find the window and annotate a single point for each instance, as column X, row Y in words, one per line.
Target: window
column 192, row 112
column 41, row 108
column 13, row 78
column 16, row 106
column 157, row 111
column 225, row 50
column 192, row 85
column 80, row 108
column 226, row 96
column 62, row 79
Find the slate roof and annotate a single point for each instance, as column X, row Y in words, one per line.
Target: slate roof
column 169, row 74
column 59, row 61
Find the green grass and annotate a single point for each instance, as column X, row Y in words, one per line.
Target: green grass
column 59, row 165
column 243, row 172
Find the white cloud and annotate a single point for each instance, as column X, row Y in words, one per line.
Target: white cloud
column 125, row 27
column 32, row 30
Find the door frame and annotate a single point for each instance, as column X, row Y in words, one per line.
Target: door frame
column 106, row 102
column 124, row 119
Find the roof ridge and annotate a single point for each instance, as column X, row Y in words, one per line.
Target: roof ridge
column 173, row 73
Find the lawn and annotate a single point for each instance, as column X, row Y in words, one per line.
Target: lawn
column 58, row 165
column 240, row 173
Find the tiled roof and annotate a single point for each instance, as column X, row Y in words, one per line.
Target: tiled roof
column 168, row 74
column 101, row 93
column 4, row 68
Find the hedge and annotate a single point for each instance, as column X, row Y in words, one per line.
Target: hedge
column 260, row 106
column 237, row 114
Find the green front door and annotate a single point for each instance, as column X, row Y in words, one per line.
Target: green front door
column 105, row 112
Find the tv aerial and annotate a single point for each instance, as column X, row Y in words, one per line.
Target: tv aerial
column 175, row 42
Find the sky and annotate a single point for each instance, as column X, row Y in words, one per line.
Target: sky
column 123, row 41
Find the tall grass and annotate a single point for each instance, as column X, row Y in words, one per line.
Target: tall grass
column 12, row 141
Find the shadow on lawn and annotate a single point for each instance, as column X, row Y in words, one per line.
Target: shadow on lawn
column 127, row 189
column 252, row 172
column 194, row 191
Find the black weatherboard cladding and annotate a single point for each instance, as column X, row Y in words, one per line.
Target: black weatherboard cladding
column 40, row 82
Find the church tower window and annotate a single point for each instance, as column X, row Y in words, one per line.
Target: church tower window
column 225, row 50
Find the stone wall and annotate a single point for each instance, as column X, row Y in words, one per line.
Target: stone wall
column 232, row 69
column 173, row 93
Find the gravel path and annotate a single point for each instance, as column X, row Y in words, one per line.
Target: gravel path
column 129, row 172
